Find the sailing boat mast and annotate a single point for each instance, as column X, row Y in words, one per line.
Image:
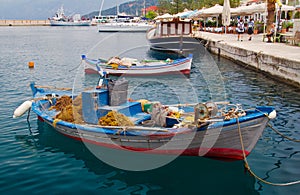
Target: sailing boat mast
column 144, row 8
column 117, row 8
column 101, row 7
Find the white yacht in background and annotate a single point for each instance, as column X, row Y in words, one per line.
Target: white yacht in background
column 120, row 22
column 103, row 19
column 124, row 25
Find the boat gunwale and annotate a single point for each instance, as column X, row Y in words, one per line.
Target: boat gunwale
column 98, row 129
column 174, row 63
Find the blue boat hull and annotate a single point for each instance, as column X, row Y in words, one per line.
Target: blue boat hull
column 226, row 139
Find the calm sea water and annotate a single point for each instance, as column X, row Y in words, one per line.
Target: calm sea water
column 49, row 163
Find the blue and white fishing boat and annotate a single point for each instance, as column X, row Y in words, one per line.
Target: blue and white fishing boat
column 104, row 117
column 133, row 67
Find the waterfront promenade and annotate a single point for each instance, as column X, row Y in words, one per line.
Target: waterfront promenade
column 281, row 60
column 24, row 23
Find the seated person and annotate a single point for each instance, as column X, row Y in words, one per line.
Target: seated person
column 270, row 34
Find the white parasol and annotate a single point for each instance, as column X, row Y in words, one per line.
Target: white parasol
column 226, row 14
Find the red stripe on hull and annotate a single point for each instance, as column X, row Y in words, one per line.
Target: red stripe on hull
column 184, row 72
column 40, row 119
column 219, row 153
column 90, row 71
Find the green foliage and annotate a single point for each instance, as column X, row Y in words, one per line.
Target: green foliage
column 284, row 24
column 297, row 15
column 211, row 23
column 151, row 15
column 175, row 6
column 258, row 25
column 234, row 3
column 171, row 7
column 132, row 8
column 290, row 24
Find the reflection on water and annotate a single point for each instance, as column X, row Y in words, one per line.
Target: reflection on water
column 182, row 176
column 49, row 162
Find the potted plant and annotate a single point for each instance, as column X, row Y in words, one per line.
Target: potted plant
column 257, row 26
column 255, row 30
column 284, row 27
column 290, row 24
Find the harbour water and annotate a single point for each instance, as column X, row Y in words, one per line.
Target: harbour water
column 46, row 162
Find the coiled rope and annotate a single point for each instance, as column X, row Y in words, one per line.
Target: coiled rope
column 247, row 166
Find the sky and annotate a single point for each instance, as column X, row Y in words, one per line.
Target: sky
column 44, row 9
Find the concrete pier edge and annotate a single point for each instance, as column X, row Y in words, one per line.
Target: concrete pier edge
column 277, row 60
column 24, row 23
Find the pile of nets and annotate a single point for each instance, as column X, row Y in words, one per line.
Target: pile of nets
column 70, row 110
column 113, row 118
column 61, row 103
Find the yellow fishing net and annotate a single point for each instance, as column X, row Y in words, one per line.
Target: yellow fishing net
column 114, row 118
column 70, row 111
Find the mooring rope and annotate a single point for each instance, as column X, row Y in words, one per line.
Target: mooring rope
column 278, row 132
column 247, row 166
column 76, row 66
column 281, row 134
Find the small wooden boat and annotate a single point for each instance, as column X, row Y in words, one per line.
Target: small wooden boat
column 105, row 117
column 133, row 67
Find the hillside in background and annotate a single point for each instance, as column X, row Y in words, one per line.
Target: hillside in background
column 132, row 8
column 43, row 9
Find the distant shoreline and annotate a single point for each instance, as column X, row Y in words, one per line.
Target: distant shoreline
column 24, row 23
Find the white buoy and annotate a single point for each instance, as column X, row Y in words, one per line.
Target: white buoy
column 272, row 115
column 25, row 106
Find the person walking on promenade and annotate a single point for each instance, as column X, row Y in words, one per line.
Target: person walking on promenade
column 250, row 29
column 240, row 29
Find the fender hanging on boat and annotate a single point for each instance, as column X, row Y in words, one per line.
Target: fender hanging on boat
column 25, row 106
column 272, row 115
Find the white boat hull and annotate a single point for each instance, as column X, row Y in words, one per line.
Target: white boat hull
column 63, row 23
column 182, row 66
column 123, row 27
